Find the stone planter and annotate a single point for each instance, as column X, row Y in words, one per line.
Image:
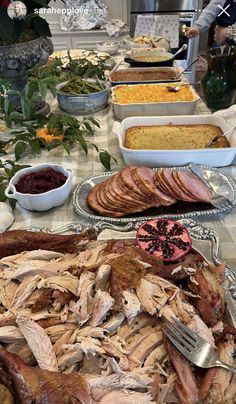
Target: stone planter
column 16, row 60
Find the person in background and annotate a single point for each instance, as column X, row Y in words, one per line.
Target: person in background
column 211, row 13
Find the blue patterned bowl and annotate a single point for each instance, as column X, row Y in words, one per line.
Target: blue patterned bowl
column 82, row 104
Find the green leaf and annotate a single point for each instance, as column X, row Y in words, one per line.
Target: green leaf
column 52, row 88
column 94, row 121
column 29, row 89
column 88, row 127
column 105, row 159
column 35, row 146
column 8, row 106
column 26, row 107
column 66, row 147
column 20, row 149
column 42, row 89
column 16, row 116
column 83, row 144
column 2, row 193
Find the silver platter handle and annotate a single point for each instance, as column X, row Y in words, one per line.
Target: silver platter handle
column 78, row 228
column 196, row 231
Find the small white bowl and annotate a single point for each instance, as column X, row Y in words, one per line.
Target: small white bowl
column 108, row 47
column 45, row 200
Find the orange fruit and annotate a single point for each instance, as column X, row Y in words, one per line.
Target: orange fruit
column 49, row 136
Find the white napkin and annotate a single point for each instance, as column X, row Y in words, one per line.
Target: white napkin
column 229, row 114
column 114, row 27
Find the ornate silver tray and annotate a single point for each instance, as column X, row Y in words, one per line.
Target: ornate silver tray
column 221, row 182
column 205, row 241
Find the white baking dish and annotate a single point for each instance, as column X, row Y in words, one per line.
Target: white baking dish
column 122, row 111
column 158, row 158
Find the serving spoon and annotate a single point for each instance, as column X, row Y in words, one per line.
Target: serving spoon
column 186, row 68
column 175, row 89
column 215, row 138
column 183, row 47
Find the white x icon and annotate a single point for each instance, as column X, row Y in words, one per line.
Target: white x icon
column 224, row 10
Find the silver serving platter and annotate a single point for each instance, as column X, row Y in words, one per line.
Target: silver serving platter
column 205, row 241
column 221, row 182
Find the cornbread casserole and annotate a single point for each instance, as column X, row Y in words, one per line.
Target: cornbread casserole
column 173, row 137
column 145, row 93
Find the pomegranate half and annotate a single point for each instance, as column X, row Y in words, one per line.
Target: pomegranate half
column 165, row 239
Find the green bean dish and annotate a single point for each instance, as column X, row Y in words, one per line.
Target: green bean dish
column 77, row 86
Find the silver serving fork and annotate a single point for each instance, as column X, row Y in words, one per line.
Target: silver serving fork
column 192, row 346
column 217, row 199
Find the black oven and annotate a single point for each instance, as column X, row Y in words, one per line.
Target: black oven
column 187, row 10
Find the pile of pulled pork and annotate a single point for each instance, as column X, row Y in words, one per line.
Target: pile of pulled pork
column 81, row 322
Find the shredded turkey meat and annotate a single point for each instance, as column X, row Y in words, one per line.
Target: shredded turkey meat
column 83, row 324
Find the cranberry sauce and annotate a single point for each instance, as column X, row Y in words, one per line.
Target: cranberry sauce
column 40, row 182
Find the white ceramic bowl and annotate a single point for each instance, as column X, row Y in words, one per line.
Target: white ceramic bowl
column 108, row 47
column 164, row 158
column 46, row 200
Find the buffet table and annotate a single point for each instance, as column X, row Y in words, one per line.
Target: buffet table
column 85, row 166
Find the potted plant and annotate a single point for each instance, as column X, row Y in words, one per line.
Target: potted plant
column 23, row 43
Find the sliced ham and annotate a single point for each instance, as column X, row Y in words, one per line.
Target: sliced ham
column 198, row 189
column 136, row 189
column 94, row 204
column 127, row 180
column 171, row 183
column 145, row 177
column 187, row 193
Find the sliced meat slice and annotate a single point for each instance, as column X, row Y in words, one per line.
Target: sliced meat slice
column 93, row 203
column 127, row 180
column 145, row 176
column 104, row 201
column 119, row 198
column 101, row 198
column 110, row 197
column 198, row 189
column 186, row 192
column 135, row 195
column 122, row 196
column 179, row 194
column 161, row 183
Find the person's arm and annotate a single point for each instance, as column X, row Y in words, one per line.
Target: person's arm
column 209, row 14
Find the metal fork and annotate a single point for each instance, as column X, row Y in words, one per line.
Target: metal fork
column 217, row 199
column 192, row 346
